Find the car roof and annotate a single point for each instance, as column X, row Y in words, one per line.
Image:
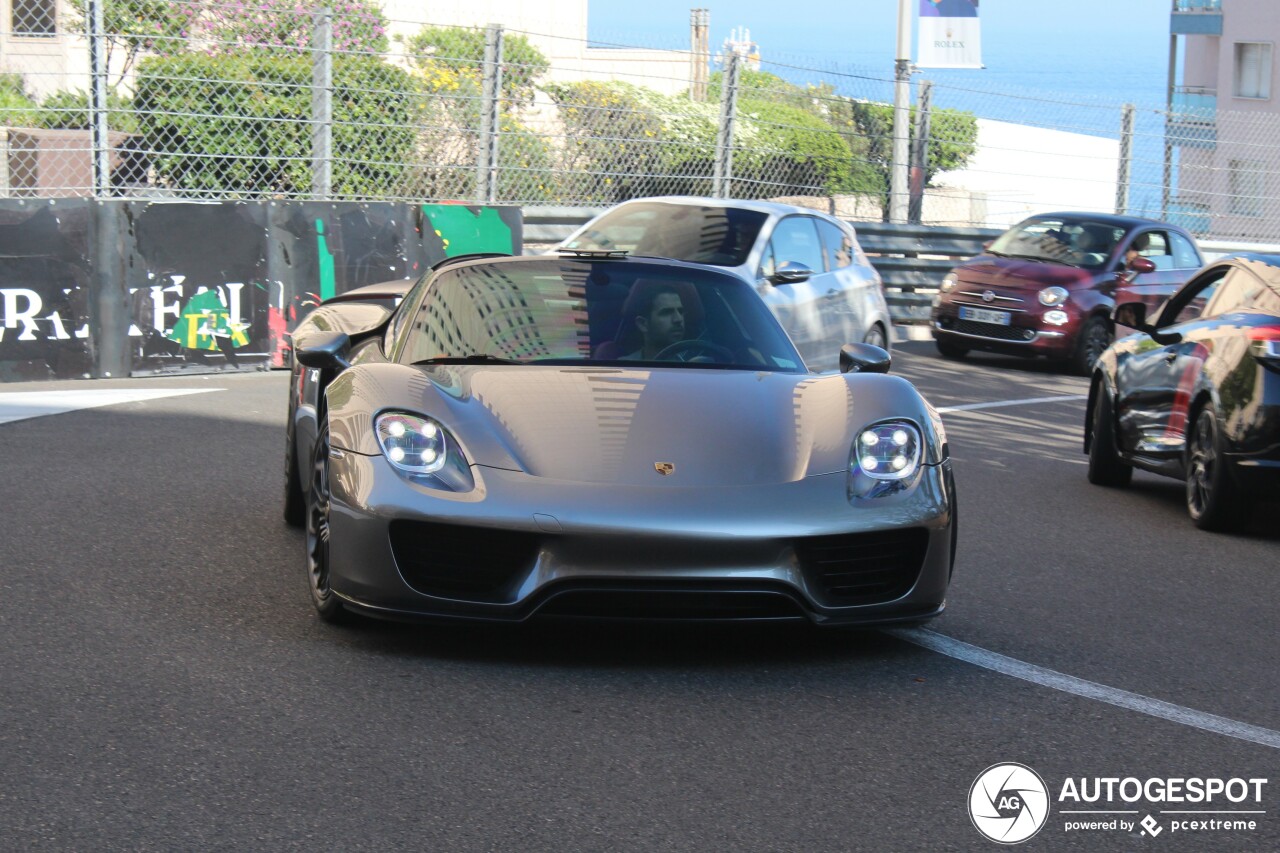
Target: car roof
column 597, row 257
column 773, row 207
column 1119, row 220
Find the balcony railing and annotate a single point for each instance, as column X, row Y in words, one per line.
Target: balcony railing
column 1195, row 103
column 1197, row 6
column 1196, row 18
column 1193, row 117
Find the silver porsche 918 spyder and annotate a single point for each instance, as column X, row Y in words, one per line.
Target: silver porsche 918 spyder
column 592, row 435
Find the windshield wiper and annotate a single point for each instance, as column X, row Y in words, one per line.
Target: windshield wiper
column 474, row 358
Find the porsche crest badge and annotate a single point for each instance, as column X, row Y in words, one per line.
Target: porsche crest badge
column 664, row 468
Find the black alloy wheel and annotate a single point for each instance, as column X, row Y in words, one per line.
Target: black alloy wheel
column 1211, row 502
column 1094, row 339
column 327, row 605
column 1106, row 468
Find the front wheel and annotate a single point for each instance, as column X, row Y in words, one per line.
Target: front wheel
column 295, row 508
column 875, row 337
column 949, row 350
column 1211, row 501
column 327, row 605
column 1105, row 466
column 1095, row 337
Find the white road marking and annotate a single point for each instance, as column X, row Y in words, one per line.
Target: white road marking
column 1055, row 680
column 20, row 405
column 969, row 407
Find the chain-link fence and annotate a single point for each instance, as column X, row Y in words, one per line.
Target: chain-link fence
column 290, row 100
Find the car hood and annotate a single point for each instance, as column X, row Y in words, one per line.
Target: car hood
column 1016, row 273
column 626, row 426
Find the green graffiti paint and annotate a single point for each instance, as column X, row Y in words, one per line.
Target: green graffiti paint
column 324, row 259
column 203, row 320
column 464, row 229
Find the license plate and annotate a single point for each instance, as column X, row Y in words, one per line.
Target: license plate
column 985, row 315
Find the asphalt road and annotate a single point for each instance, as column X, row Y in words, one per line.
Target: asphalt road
column 166, row 685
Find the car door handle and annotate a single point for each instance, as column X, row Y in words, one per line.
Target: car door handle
column 1171, row 358
column 835, row 291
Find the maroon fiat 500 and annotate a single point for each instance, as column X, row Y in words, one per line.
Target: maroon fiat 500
column 1047, row 286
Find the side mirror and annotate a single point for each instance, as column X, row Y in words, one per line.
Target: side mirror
column 1142, row 265
column 864, row 358
column 1134, row 315
column 324, row 351
column 790, row 272
column 1131, row 314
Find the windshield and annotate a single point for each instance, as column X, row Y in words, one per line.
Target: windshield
column 720, row 236
column 573, row 311
column 1080, row 243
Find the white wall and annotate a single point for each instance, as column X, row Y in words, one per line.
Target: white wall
column 1022, row 170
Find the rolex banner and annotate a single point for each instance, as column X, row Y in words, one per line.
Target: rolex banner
column 949, row 35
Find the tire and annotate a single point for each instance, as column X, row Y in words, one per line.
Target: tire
column 1095, row 337
column 295, row 503
column 1106, row 468
column 949, row 350
column 327, row 605
column 875, row 337
column 1212, row 501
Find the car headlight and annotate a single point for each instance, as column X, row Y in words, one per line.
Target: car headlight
column 949, row 281
column 885, row 459
column 419, row 448
column 1056, row 317
column 414, row 444
column 1053, row 296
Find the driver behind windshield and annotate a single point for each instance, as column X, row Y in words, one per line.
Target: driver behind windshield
column 660, row 322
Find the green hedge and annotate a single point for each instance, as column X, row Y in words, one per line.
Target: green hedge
column 239, row 125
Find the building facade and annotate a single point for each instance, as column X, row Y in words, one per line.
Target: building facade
column 1224, row 118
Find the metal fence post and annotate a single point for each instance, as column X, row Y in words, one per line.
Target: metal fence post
column 99, row 140
column 108, row 314
column 490, row 113
column 322, row 104
column 1126, row 159
column 722, row 177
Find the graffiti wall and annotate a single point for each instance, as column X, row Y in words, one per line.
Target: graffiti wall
column 209, row 286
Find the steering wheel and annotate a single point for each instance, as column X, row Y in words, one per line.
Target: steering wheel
column 685, row 350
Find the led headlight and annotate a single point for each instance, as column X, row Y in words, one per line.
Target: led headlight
column 1053, row 296
column 949, row 281
column 412, row 443
column 889, row 451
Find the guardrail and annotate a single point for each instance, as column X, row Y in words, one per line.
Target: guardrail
column 911, row 259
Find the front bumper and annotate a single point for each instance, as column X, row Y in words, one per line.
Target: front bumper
column 1026, row 340
column 520, row 547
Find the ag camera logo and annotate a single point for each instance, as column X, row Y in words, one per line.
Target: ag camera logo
column 1008, row 803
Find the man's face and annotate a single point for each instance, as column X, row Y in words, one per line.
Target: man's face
column 665, row 323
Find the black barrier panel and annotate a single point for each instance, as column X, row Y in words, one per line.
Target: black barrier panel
column 44, row 290
column 204, row 286
column 198, row 285
column 218, row 286
column 326, row 249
